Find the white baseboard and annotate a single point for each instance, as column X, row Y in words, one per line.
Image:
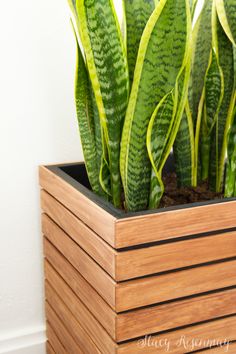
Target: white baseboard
column 28, row 341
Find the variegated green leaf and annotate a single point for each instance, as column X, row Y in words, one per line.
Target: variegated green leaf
column 107, row 65
column 193, row 4
column 137, row 14
column 184, row 150
column 214, row 91
column 202, row 45
column 226, row 10
column 224, row 54
column 159, row 130
column 161, row 57
column 230, row 179
column 85, row 120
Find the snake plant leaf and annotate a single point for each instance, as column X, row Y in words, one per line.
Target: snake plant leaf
column 161, row 55
column 84, row 111
column 214, row 91
column 226, row 10
column 202, row 45
column 230, row 179
column 107, row 65
column 184, row 150
column 158, row 132
column 224, row 53
column 193, row 4
column 137, row 14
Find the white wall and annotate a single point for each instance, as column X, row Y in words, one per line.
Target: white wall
column 37, row 126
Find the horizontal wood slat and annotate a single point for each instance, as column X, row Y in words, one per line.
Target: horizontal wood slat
column 56, row 345
column 73, row 313
column 156, row 259
column 94, row 274
column 60, row 331
column 80, row 336
column 80, row 233
column 139, row 262
column 151, row 319
column 96, row 305
column 150, row 290
column 181, row 340
column 230, row 349
column 175, row 223
column 176, row 314
column 86, row 210
column 49, row 349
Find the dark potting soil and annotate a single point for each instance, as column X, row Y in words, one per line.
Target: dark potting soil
column 174, row 195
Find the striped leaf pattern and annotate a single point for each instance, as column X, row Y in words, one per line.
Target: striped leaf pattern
column 107, row 66
column 214, row 89
column 137, row 14
column 202, row 45
column 84, row 110
column 160, row 59
column 230, row 181
column 226, row 10
column 220, row 132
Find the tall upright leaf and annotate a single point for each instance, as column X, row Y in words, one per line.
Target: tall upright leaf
column 224, row 52
column 202, row 45
column 107, row 66
column 226, row 10
column 84, row 108
column 161, row 55
column 137, row 14
column 230, row 176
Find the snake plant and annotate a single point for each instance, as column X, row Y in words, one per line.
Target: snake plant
column 160, row 83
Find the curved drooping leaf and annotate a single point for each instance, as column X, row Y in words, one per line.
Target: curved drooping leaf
column 214, row 91
column 230, row 177
column 107, row 66
column 224, row 54
column 137, row 14
column 161, row 56
column 85, row 116
column 226, row 10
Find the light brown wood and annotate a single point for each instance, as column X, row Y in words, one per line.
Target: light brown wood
column 139, row 262
column 90, row 213
column 49, row 349
column 60, row 331
column 180, row 341
column 151, row 319
column 230, row 349
column 80, row 313
column 94, row 274
column 96, row 305
column 151, row 290
column 79, row 334
column 56, row 344
column 175, row 223
column 176, row 314
column 155, row 259
column 87, row 239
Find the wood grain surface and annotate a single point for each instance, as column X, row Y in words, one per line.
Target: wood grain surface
column 73, row 310
column 90, row 213
column 86, row 238
column 59, row 330
column 96, row 305
column 184, row 340
column 175, row 223
column 89, row 269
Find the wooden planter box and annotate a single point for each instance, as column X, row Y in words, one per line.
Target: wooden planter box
column 114, row 279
